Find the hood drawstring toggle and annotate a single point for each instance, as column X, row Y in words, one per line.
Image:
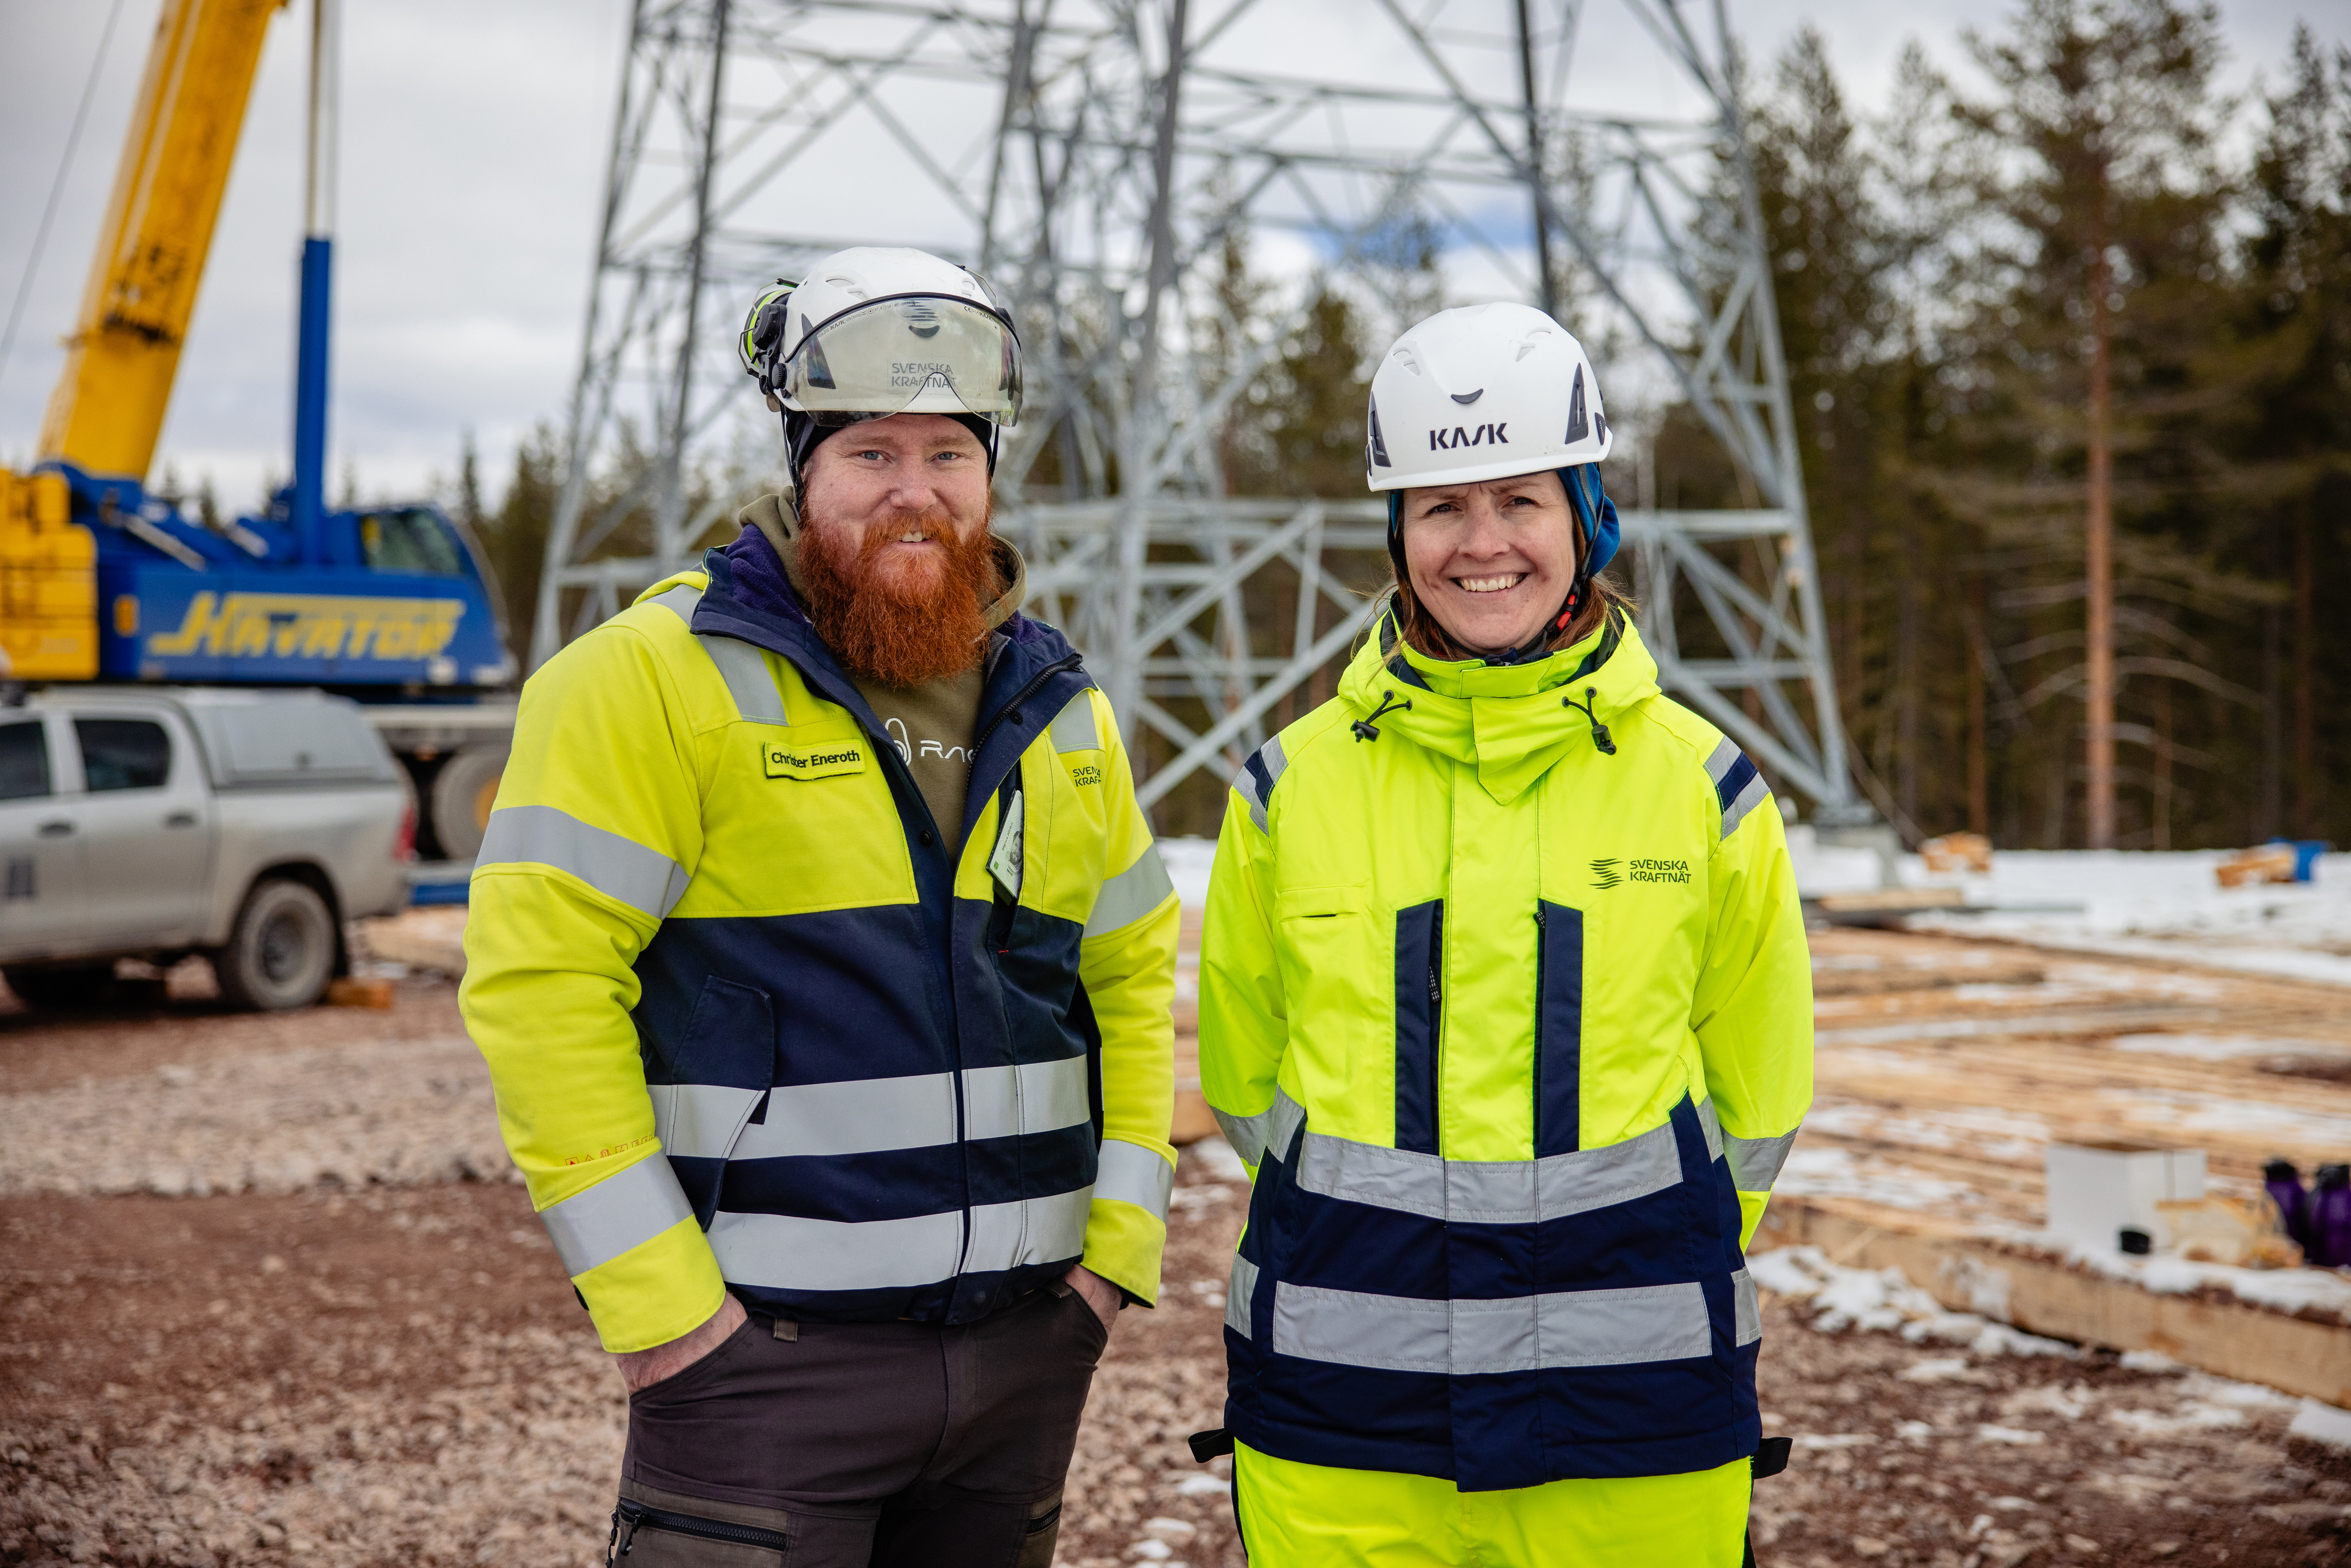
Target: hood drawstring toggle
column 1367, row 728
column 1599, row 730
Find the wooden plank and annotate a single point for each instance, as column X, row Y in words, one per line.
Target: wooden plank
column 2045, row 1296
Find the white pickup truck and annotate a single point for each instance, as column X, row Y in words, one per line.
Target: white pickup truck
column 246, row 826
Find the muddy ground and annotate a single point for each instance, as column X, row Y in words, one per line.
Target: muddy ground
column 368, row 1355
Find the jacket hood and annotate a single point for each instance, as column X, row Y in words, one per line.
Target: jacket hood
column 1510, row 722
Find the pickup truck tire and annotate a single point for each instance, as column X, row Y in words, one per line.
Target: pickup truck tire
column 62, row 986
column 462, row 792
column 281, row 952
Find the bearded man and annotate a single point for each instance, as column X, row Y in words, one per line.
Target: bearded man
column 823, row 960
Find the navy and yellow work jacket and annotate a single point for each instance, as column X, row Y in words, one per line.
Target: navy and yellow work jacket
column 757, row 1023
column 1504, row 996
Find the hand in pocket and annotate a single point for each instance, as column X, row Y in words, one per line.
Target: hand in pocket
column 641, row 1369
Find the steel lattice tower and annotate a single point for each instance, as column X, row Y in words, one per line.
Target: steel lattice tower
column 1091, row 157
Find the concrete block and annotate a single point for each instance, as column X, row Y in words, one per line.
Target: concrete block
column 2095, row 1189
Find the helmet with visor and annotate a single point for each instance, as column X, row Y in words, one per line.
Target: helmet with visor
column 877, row 331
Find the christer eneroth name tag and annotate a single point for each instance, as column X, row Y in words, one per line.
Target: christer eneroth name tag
column 816, row 759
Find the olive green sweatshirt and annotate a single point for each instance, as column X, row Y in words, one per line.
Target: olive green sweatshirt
column 931, row 724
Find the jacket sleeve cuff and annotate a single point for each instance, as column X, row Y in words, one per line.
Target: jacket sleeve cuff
column 1124, row 1243
column 636, row 1255
column 654, row 1293
column 1750, row 1215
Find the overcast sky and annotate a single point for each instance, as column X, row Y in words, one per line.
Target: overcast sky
column 473, row 151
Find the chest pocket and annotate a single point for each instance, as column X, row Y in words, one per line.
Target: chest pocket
column 1337, row 965
column 798, row 818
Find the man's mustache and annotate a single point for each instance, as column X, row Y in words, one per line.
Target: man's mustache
column 933, row 522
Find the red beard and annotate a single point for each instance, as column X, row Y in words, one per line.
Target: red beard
column 913, row 627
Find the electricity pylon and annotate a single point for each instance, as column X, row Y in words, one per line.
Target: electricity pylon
column 1092, row 158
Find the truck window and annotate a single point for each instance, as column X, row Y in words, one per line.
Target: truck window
column 123, row 754
column 410, row 540
column 24, row 760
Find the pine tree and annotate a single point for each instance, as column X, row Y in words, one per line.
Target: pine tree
column 2087, row 374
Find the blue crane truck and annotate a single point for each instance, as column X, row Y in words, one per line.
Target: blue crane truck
column 101, row 580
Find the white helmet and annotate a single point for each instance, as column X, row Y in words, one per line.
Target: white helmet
column 1485, row 391
column 883, row 330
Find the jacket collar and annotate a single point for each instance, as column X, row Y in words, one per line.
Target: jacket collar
column 750, row 597
column 1512, row 723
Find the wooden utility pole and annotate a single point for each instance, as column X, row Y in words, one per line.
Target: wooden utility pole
column 2099, row 696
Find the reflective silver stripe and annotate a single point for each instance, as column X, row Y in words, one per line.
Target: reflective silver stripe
column 1132, row 894
column 1260, row 795
column 1718, row 764
column 1270, row 1130
column 1129, row 1173
column 1712, row 1126
column 1031, row 1230
column 871, row 1116
column 1755, row 1162
column 1722, row 760
column 746, row 675
column 861, row 1117
column 1466, row 1338
column 1240, row 1290
column 618, row 1215
column 786, row 1252
column 1073, row 727
column 1491, row 1192
column 1753, row 795
column 1033, row 1097
column 1745, row 1312
column 700, row 1121
column 679, row 600
column 621, row 869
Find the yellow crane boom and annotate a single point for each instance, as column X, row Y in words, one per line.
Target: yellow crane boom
column 107, row 413
column 108, row 409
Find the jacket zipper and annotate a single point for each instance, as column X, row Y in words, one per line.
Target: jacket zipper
column 1542, row 941
column 1059, row 666
column 1436, row 1018
column 963, row 1252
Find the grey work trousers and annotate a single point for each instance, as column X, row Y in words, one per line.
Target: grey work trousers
column 864, row 1444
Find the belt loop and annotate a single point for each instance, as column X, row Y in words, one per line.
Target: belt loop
column 787, row 1330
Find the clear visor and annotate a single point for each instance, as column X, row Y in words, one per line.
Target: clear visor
column 926, row 354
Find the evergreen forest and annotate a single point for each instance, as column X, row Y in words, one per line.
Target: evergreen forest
column 1953, row 280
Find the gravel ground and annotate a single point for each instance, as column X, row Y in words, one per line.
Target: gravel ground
column 383, row 1365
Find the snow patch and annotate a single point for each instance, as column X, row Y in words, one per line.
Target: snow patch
column 1885, row 1301
column 2017, row 1435
column 2135, row 904
column 2223, row 1047
column 2325, row 1290
column 2322, row 1424
column 2194, row 1416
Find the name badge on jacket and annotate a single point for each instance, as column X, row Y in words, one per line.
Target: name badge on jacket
column 820, row 759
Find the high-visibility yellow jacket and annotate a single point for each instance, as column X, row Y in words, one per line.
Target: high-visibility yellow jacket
column 1508, row 1005
column 752, row 1019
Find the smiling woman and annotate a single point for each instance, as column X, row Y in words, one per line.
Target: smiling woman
column 1504, row 997
column 1496, row 538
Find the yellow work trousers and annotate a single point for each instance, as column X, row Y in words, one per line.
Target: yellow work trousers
column 1310, row 1516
